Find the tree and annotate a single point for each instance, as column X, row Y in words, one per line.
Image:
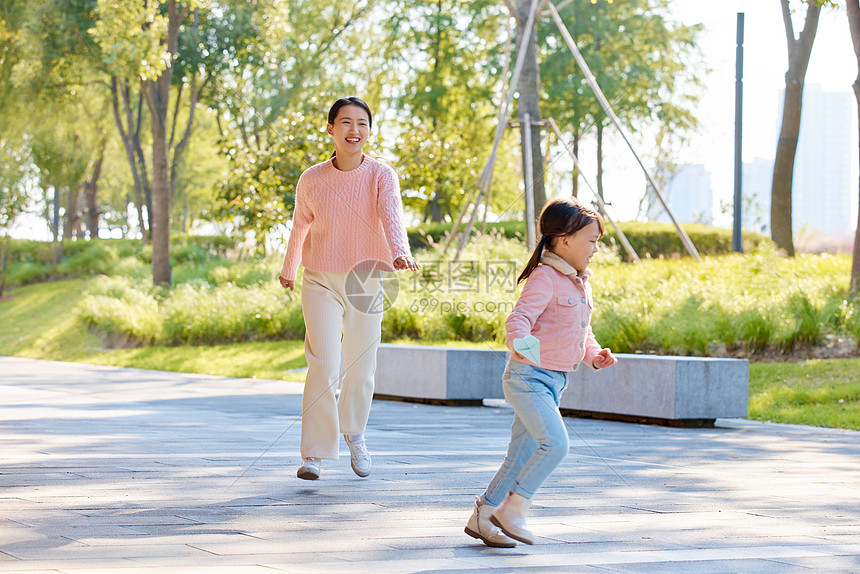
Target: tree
column 528, row 102
column 176, row 50
column 12, row 17
column 854, row 26
column 452, row 50
column 259, row 192
column 271, row 108
column 13, row 196
column 642, row 62
column 799, row 50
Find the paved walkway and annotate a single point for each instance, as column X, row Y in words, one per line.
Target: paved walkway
column 121, row 470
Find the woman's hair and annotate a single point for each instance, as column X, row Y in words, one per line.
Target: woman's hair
column 349, row 101
column 560, row 217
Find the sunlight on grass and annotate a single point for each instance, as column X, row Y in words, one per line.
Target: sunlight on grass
column 278, row 360
column 816, row 392
column 38, row 322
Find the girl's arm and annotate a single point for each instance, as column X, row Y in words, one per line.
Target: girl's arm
column 390, row 209
column 595, row 356
column 302, row 219
column 536, row 295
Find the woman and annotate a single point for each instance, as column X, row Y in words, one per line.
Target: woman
column 347, row 224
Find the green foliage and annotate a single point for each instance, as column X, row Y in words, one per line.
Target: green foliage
column 128, row 313
column 130, row 35
column 448, row 98
column 32, row 261
column 649, row 240
column 646, row 65
column 259, row 192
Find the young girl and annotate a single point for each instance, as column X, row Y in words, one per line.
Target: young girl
column 550, row 325
column 347, row 228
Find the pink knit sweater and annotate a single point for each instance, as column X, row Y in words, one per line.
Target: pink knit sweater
column 343, row 218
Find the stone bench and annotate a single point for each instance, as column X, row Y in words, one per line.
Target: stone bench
column 657, row 389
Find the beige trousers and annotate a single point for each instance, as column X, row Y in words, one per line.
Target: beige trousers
column 341, row 339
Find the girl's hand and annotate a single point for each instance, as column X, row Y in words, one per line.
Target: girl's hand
column 405, row 262
column 603, row 359
column 286, row 283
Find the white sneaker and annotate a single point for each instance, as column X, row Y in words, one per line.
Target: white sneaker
column 359, row 457
column 310, row 468
column 480, row 527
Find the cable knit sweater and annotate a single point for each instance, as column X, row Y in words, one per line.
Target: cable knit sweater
column 343, row 218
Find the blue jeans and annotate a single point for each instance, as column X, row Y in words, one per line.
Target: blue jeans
column 539, row 440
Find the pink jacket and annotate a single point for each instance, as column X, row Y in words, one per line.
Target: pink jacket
column 555, row 306
column 343, row 218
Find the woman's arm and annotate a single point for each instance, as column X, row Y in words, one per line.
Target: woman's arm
column 390, row 208
column 302, row 219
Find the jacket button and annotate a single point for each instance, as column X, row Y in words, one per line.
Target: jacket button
column 581, row 344
column 583, row 299
column 570, row 301
column 584, row 324
column 575, row 365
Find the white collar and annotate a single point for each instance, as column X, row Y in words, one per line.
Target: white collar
column 556, row 262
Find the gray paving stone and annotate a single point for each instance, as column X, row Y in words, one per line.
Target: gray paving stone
column 123, row 470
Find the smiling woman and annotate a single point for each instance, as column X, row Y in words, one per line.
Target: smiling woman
column 348, row 221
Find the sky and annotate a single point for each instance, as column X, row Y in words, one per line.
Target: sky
column 832, row 65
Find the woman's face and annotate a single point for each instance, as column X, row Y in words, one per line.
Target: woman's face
column 350, row 129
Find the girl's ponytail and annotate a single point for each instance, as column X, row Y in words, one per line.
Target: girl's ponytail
column 534, row 261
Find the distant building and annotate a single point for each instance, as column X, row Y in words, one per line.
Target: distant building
column 689, row 196
column 821, row 188
column 756, row 189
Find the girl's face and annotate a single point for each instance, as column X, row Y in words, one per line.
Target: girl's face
column 350, row 129
column 578, row 247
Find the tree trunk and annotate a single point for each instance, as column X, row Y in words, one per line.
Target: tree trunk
column 600, row 159
column 140, row 158
column 783, row 168
column 157, row 94
column 854, row 26
column 125, row 135
column 529, row 103
column 91, row 194
column 4, row 250
column 575, row 192
column 73, row 213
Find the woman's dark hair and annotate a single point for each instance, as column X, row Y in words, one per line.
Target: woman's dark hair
column 349, row 101
column 560, row 217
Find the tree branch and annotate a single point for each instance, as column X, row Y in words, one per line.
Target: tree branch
column 789, row 27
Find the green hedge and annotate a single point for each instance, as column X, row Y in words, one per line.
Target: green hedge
column 648, row 239
column 29, row 261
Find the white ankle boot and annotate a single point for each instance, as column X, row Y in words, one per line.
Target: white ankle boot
column 480, row 527
column 511, row 518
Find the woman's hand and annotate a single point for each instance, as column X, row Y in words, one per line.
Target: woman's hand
column 286, row 283
column 603, row 359
column 405, row 262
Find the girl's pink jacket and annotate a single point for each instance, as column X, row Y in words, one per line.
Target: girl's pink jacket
column 555, row 306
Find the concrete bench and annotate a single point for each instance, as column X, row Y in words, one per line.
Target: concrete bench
column 656, row 389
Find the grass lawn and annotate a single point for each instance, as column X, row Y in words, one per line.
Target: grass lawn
column 818, row 392
column 38, row 321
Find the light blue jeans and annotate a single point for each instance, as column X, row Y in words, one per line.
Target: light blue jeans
column 539, row 439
